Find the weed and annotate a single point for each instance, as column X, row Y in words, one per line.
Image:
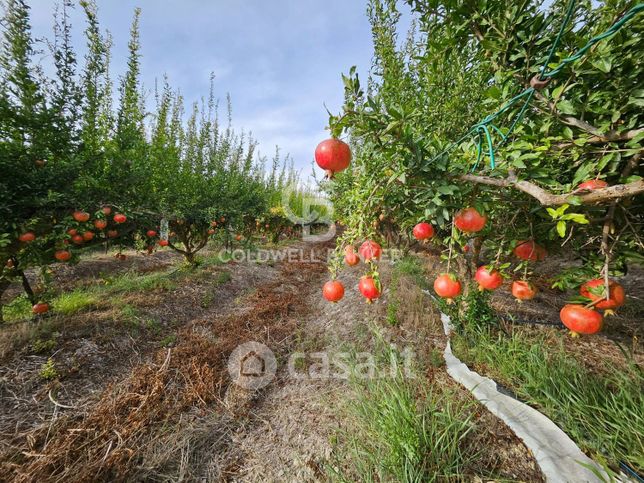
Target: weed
column 43, row 345
column 223, row 277
column 73, row 302
column 399, row 430
column 18, row 309
column 48, row 370
column 132, row 282
column 169, row 340
column 602, row 413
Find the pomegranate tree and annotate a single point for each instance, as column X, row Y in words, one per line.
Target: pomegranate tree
column 27, row 237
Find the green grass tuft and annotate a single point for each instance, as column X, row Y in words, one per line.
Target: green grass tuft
column 73, row 302
column 602, row 413
column 133, row 282
column 399, row 430
column 18, row 309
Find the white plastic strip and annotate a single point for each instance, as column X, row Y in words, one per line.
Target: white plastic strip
column 559, row 458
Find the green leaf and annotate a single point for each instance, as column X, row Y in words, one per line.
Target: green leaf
column 603, row 64
column 565, row 107
column 561, row 228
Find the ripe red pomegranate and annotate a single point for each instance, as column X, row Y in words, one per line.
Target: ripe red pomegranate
column 595, row 290
column 447, row 286
column 40, row 308
column 88, row 235
column 351, row 258
column 523, row 290
column 333, row 156
column 211, row 231
column 151, row 233
column 27, row 237
column 469, row 220
column 368, row 288
column 112, row 233
column 488, row 279
column 80, row 216
column 213, row 224
column 120, row 218
column 238, row 237
column 78, row 240
column 529, row 250
column 100, row 224
column 333, row 291
column 107, row 211
column 370, row 250
column 581, row 320
column 62, row 255
column 466, row 248
column 423, row 231
column 72, row 231
column 164, row 243
column 592, row 184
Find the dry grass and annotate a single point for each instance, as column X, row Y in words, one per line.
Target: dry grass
column 136, row 419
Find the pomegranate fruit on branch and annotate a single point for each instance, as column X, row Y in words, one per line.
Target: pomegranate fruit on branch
column 333, row 156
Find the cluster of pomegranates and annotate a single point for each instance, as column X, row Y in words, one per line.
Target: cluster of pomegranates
column 368, row 286
column 81, row 234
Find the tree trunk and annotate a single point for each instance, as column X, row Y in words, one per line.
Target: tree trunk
column 27, row 288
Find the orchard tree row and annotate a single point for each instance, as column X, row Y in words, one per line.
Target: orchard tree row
column 500, row 132
column 77, row 170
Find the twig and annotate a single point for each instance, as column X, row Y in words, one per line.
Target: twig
column 56, row 403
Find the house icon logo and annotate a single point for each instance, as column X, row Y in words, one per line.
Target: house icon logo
column 252, row 365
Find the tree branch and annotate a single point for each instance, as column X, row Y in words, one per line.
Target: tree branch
column 546, row 198
column 597, row 135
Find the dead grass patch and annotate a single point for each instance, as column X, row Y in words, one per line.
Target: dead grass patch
column 119, row 433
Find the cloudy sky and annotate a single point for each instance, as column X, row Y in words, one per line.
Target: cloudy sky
column 280, row 60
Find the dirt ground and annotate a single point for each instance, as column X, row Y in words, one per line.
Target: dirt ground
column 129, row 407
column 289, row 437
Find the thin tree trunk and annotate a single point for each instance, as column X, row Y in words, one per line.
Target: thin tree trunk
column 27, row 287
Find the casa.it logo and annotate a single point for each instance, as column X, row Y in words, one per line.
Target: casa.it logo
column 252, row 365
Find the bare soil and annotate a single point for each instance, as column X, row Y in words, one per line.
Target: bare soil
column 157, row 404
